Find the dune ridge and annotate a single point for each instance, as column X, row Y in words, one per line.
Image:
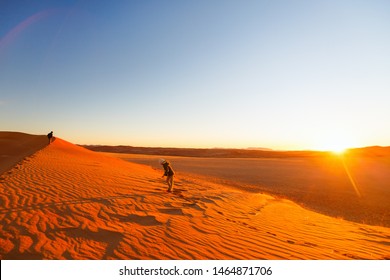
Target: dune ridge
column 66, row 202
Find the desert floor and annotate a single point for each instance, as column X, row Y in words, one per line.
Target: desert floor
column 350, row 186
column 66, row 202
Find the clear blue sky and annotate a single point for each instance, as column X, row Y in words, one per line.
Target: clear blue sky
column 276, row 74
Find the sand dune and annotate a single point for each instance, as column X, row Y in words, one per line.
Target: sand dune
column 14, row 146
column 65, row 202
column 353, row 187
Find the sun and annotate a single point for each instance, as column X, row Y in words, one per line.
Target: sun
column 334, row 144
column 338, row 149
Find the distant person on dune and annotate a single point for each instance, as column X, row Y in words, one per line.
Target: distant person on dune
column 50, row 136
column 168, row 171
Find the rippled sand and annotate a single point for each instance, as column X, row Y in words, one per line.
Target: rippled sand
column 65, row 202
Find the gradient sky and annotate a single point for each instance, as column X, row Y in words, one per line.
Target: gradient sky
column 276, row 74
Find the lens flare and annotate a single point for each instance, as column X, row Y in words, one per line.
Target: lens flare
column 351, row 179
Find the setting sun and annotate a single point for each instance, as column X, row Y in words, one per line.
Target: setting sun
column 334, row 147
column 338, row 149
column 336, row 143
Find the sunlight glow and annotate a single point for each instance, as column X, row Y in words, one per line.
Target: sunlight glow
column 335, row 142
column 337, row 148
column 351, row 179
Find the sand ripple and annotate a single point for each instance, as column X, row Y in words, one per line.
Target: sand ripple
column 65, row 202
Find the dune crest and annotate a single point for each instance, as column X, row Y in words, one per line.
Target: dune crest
column 66, row 202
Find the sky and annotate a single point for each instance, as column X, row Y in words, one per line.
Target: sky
column 290, row 75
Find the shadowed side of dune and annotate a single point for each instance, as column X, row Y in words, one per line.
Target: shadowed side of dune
column 15, row 146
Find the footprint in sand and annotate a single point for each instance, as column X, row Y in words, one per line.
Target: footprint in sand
column 178, row 191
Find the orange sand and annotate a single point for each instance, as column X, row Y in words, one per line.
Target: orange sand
column 65, row 202
column 352, row 187
column 14, row 146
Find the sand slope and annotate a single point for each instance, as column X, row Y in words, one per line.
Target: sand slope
column 355, row 188
column 14, row 146
column 66, row 202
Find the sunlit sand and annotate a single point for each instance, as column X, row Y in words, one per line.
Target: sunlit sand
column 66, row 202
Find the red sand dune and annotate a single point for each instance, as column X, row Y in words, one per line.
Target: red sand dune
column 352, row 186
column 14, row 146
column 65, row 202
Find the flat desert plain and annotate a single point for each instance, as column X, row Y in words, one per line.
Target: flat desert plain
column 67, row 202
